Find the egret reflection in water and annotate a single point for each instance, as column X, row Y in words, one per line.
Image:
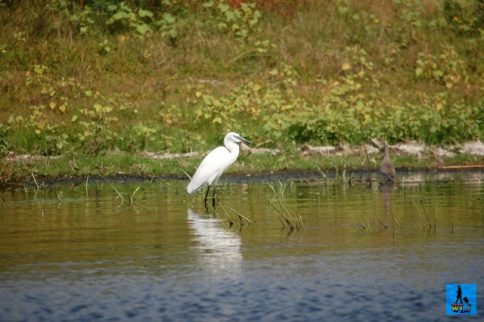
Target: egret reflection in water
column 217, row 248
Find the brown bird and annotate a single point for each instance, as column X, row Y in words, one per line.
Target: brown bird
column 386, row 167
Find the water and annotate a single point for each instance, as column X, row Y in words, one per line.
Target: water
column 361, row 253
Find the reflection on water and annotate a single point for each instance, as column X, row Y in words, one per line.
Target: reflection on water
column 364, row 253
column 217, row 249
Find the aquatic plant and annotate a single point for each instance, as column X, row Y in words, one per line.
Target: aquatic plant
column 289, row 221
column 122, row 196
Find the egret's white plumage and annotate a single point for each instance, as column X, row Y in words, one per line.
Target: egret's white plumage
column 216, row 162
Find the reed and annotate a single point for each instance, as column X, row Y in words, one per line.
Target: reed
column 86, row 187
column 288, row 221
column 243, row 221
column 35, row 181
column 60, row 196
column 423, row 214
column 131, row 197
column 124, row 196
column 119, row 194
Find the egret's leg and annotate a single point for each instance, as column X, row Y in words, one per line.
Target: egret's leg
column 206, row 196
column 214, row 197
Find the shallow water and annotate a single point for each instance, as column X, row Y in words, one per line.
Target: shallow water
column 361, row 253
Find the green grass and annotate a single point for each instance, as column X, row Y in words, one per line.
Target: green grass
column 121, row 163
column 82, row 82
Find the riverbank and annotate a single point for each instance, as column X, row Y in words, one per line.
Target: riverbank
column 88, row 87
column 325, row 161
column 89, row 77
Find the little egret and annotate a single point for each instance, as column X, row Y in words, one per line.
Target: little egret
column 386, row 168
column 215, row 163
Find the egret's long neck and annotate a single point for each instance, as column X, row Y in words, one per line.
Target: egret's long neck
column 232, row 147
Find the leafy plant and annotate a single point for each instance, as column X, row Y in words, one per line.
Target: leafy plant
column 240, row 22
column 137, row 137
column 124, row 18
column 169, row 26
column 465, row 20
column 83, row 20
column 446, row 68
column 96, row 133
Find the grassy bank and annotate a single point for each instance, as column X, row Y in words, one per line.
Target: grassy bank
column 21, row 170
column 106, row 80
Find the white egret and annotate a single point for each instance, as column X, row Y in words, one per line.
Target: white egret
column 215, row 163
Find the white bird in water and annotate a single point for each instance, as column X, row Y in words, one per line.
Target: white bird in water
column 215, row 163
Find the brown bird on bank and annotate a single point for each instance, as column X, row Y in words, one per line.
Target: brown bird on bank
column 386, row 167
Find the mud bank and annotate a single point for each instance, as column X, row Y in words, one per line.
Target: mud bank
column 352, row 177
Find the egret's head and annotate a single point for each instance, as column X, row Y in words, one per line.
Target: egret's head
column 236, row 138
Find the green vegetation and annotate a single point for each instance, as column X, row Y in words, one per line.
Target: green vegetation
column 95, row 80
column 122, row 163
